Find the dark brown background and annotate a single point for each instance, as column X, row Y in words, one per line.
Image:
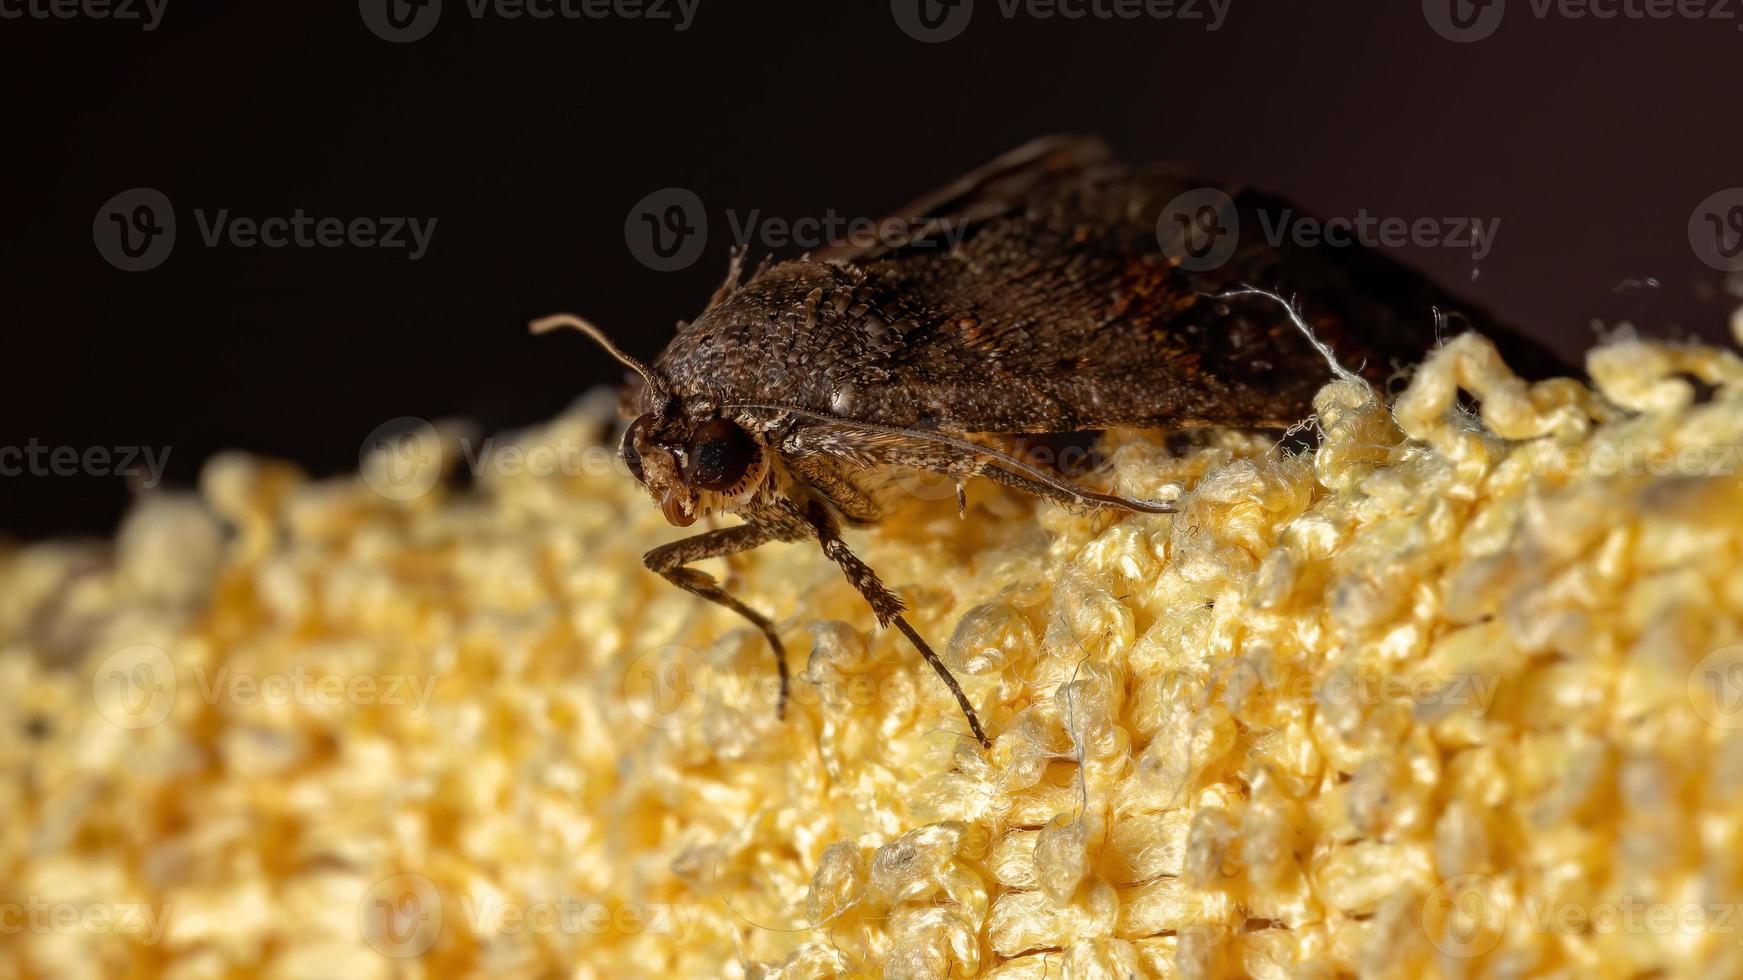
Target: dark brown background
column 1591, row 140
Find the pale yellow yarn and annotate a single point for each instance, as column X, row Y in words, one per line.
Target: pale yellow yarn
column 1458, row 693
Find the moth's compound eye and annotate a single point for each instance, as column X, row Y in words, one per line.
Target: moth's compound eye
column 719, row 454
column 632, row 458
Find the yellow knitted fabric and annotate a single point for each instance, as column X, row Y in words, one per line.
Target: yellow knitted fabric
column 1460, row 693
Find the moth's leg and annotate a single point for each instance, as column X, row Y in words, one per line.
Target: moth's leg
column 960, row 460
column 1074, row 497
column 669, row 561
column 886, row 605
column 734, row 567
column 823, row 476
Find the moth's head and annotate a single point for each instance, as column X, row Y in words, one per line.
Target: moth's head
column 694, row 464
column 693, row 459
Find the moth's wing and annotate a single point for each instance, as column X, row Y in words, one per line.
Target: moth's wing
column 1068, row 315
column 995, row 189
column 1378, row 302
column 1064, row 313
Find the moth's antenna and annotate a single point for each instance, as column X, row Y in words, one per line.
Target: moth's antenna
column 558, row 320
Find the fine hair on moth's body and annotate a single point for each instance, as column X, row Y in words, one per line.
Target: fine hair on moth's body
column 801, row 394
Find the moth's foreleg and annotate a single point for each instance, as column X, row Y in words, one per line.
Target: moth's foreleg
column 886, row 605
column 670, row 560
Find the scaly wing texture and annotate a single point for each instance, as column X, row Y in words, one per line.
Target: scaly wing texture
column 1057, row 310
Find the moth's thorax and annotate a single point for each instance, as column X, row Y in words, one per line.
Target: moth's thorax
column 756, row 339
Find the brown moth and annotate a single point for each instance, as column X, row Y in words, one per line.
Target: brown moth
column 802, row 397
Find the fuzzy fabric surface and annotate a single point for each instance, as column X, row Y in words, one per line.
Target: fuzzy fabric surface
column 1457, row 692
